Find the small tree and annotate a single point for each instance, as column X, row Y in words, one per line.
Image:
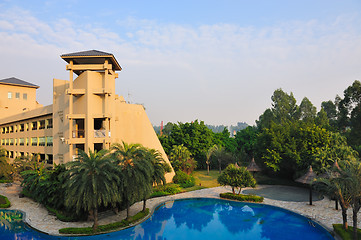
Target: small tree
column 181, row 159
column 236, row 177
column 209, row 153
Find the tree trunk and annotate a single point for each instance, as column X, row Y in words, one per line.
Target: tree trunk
column 95, row 225
column 207, row 168
column 127, row 211
column 344, row 218
column 220, row 167
column 144, row 204
column 336, row 204
column 233, row 190
column 354, row 219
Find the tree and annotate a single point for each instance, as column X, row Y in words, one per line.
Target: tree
column 209, row 153
column 136, row 172
column 307, row 110
column 331, row 111
column 236, row 178
column 159, row 167
column 349, row 114
column 181, row 159
column 247, row 140
column 284, row 106
column 93, row 182
column 338, row 188
column 352, row 176
column 195, row 136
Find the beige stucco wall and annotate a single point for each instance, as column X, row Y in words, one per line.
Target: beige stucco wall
column 9, row 107
column 133, row 126
column 93, row 96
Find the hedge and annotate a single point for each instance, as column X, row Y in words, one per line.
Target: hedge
column 242, row 197
column 5, row 181
column 4, row 202
column 62, row 216
column 345, row 235
column 108, row 227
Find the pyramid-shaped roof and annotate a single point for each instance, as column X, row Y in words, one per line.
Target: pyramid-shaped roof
column 16, row 81
column 91, row 57
column 253, row 167
column 308, row 178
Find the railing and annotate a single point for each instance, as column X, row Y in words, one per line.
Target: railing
column 78, row 134
column 100, row 133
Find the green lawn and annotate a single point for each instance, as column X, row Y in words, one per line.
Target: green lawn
column 205, row 180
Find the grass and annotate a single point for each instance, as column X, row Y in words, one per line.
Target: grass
column 346, row 235
column 205, row 180
column 107, row 227
column 4, row 202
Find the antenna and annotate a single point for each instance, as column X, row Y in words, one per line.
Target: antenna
column 129, row 98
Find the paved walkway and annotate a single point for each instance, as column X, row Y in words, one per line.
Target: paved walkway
column 37, row 216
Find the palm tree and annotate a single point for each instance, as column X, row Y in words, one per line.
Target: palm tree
column 93, row 182
column 209, row 153
column 338, row 188
column 159, row 167
column 136, row 172
column 352, row 175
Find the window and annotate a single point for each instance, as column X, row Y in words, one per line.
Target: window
column 11, row 129
column 11, row 141
column 25, row 96
column 17, row 95
column 21, row 127
column 41, row 141
column 50, row 159
column 34, row 126
column 34, row 141
column 21, row 141
column 50, row 123
column 49, row 141
column 41, row 124
column 10, row 95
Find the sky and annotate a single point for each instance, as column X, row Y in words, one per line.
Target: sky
column 215, row 61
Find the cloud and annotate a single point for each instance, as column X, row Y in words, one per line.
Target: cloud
column 221, row 73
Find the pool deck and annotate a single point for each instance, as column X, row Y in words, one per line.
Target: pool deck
column 322, row 211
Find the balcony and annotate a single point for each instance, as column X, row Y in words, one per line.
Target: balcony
column 78, row 134
column 100, row 133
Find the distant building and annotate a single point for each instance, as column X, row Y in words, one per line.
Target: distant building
column 85, row 114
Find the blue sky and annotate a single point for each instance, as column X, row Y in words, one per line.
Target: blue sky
column 217, row 61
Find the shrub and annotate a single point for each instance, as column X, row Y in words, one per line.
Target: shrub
column 5, row 181
column 345, row 235
column 159, row 194
column 4, row 202
column 63, row 216
column 242, row 197
column 184, row 179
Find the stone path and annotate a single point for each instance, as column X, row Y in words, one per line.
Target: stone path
column 37, row 216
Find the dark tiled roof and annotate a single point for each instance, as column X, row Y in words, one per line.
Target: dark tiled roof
column 91, row 57
column 17, row 81
column 87, row 53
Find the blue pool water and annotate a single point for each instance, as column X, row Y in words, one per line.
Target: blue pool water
column 201, row 218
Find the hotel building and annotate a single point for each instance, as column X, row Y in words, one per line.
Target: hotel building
column 85, row 114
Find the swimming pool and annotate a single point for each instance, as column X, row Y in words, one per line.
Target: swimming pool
column 200, row 218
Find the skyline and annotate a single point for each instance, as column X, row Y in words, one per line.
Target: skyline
column 216, row 63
